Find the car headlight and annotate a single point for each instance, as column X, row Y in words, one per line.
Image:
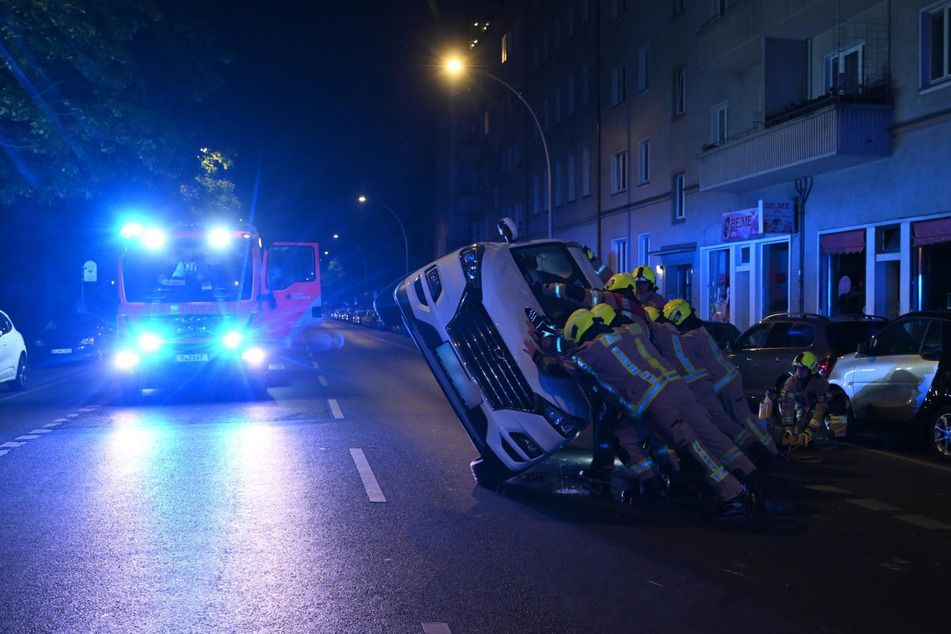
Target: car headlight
column 126, row 359
column 254, row 356
column 471, row 259
column 149, row 342
column 232, row 339
column 566, row 425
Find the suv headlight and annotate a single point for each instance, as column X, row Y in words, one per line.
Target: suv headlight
column 471, row 259
column 564, row 424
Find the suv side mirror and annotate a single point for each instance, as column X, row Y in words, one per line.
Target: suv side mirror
column 863, row 349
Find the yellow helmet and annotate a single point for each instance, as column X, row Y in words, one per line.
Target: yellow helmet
column 644, row 274
column 676, row 310
column 605, row 313
column 578, row 324
column 807, row 360
column 652, row 312
column 620, row 281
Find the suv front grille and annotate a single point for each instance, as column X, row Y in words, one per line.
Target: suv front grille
column 488, row 360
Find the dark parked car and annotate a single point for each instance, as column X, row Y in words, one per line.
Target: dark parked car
column 723, row 332
column 73, row 336
column 900, row 379
column 764, row 353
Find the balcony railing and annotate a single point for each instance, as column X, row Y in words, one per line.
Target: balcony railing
column 832, row 136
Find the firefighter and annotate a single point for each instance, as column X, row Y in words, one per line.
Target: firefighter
column 803, row 402
column 618, row 293
column 645, row 287
column 726, row 378
column 603, row 270
column 714, row 427
column 625, row 369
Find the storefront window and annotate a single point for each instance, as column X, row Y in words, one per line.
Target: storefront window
column 931, row 260
column 775, row 278
column 843, row 273
column 719, row 285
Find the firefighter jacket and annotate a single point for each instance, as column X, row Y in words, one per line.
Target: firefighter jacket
column 653, row 298
column 589, row 298
column 807, row 400
column 703, row 348
column 667, row 339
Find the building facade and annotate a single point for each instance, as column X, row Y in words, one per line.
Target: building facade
column 761, row 156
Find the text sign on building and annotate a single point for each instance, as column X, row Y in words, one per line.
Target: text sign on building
column 767, row 217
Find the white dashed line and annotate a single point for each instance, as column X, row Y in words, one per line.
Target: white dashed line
column 26, row 438
column 334, row 408
column 11, row 445
column 366, row 474
column 4, row 452
column 86, row 410
column 316, row 367
column 822, row 488
column 72, row 416
column 322, row 380
column 923, row 522
column 52, row 424
column 436, row 628
column 41, row 431
column 60, row 420
column 873, row 505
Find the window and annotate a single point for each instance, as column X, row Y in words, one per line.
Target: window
column 845, row 72
column 679, row 6
column 586, row 84
column 558, row 197
column 619, row 255
column 585, row 11
column 557, row 105
column 643, row 161
column 619, row 172
column 718, row 123
column 902, row 337
column 935, row 36
column 586, row 170
column 643, row 68
column 557, row 35
column 505, row 48
column 680, row 85
column 618, row 85
column 718, row 7
column 678, row 197
column 537, row 203
column 571, row 95
column 572, row 169
column 570, row 22
column 618, row 8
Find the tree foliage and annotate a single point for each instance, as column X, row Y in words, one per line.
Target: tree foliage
column 211, row 194
column 96, row 91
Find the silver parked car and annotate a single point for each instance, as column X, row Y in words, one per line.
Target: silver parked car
column 900, row 379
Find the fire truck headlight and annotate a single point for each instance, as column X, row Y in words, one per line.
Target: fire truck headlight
column 219, row 238
column 153, row 238
column 126, row 359
column 149, row 342
column 232, row 339
column 254, row 356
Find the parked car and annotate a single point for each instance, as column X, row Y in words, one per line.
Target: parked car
column 723, row 332
column 13, row 357
column 468, row 314
column 764, row 353
column 74, row 336
column 370, row 319
column 899, row 379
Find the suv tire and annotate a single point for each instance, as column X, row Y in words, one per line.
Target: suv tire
column 489, row 472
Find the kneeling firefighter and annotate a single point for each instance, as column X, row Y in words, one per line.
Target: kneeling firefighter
column 804, row 402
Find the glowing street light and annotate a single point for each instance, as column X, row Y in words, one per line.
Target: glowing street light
column 455, row 66
column 364, row 200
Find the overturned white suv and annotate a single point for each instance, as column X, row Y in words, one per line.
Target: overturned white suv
column 468, row 314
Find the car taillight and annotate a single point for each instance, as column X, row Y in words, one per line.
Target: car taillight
column 825, row 366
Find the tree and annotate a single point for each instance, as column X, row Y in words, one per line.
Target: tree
column 212, row 195
column 96, row 91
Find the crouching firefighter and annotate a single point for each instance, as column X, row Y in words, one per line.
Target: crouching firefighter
column 627, row 372
column 804, row 402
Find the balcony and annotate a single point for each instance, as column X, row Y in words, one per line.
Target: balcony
column 828, row 135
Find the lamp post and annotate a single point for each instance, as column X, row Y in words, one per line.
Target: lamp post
column 455, row 66
column 364, row 200
column 362, row 257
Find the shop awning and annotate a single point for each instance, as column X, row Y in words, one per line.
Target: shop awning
column 844, row 242
column 930, row 232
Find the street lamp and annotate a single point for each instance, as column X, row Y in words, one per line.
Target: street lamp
column 364, row 200
column 455, row 66
column 363, row 257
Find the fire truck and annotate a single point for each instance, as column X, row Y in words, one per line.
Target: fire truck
column 209, row 302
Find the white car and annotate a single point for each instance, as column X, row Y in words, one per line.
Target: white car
column 468, row 314
column 12, row 355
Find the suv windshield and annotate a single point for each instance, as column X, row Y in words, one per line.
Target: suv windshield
column 188, row 270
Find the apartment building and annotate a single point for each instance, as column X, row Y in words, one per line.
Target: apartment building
column 760, row 155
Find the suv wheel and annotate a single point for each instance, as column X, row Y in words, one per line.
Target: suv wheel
column 939, row 433
column 489, row 472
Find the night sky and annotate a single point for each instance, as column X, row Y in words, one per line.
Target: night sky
column 322, row 101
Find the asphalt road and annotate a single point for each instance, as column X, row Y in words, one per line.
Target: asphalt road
column 343, row 503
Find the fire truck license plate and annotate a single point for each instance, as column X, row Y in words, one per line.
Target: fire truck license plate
column 191, row 357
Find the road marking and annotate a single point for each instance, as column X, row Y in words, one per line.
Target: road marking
column 41, row 431
column 923, row 463
column 873, row 505
column 86, row 410
column 366, row 474
column 60, row 420
column 72, row 416
column 4, row 452
column 26, row 438
column 316, row 367
column 11, row 445
column 323, row 380
column 52, row 424
column 923, row 522
column 436, row 628
column 822, row 488
column 334, row 408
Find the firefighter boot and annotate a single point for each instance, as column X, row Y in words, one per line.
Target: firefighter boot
column 735, row 510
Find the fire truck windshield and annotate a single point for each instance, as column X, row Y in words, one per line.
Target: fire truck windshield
column 189, row 270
